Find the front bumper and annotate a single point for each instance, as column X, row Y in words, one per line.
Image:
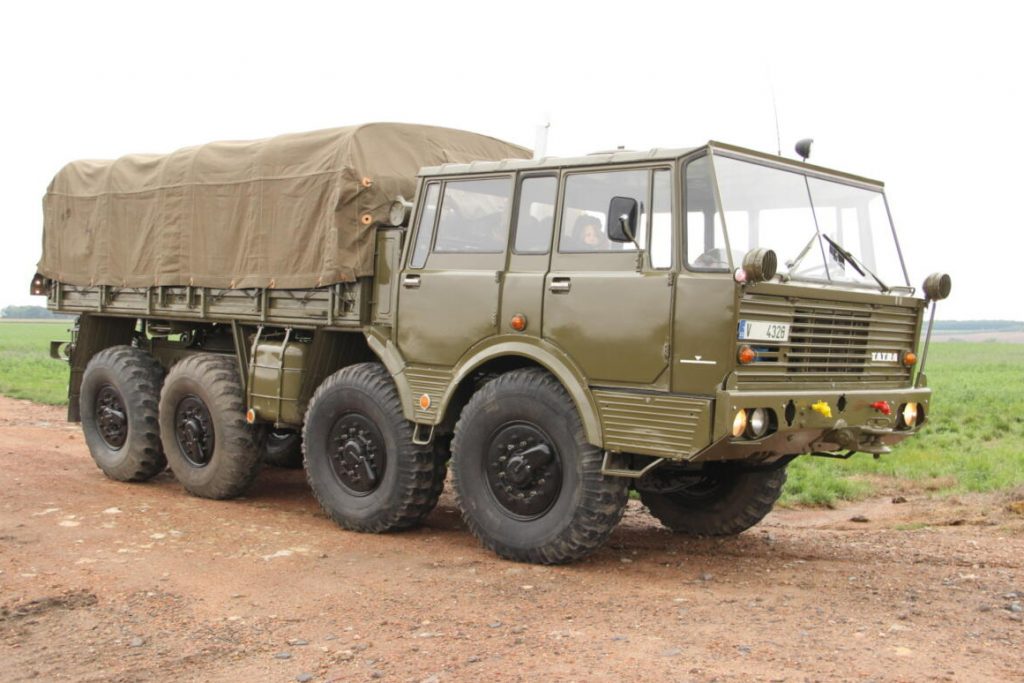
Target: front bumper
column 855, row 422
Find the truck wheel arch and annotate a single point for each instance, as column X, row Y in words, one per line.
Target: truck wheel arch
column 542, row 355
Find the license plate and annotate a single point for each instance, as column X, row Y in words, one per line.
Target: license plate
column 760, row 330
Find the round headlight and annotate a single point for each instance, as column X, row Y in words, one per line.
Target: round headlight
column 757, row 423
column 908, row 415
column 739, row 423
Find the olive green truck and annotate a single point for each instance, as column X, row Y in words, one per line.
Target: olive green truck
column 385, row 302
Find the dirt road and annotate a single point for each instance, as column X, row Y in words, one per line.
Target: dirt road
column 101, row 581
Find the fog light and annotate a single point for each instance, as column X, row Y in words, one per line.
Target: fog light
column 757, row 423
column 739, row 423
column 908, row 415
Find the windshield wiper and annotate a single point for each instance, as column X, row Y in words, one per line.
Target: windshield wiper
column 857, row 264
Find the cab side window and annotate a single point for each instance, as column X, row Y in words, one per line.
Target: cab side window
column 536, row 215
column 474, row 216
column 661, row 221
column 425, row 230
column 585, row 211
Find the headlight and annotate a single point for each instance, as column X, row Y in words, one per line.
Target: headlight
column 757, row 423
column 908, row 415
column 739, row 423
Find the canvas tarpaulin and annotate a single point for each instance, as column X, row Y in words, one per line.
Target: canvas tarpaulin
column 285, row 212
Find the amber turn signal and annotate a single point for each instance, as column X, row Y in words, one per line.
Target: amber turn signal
column 425, row 402
column 746, row 355
column 909, row 359
column 250, row 416
column 518, row 322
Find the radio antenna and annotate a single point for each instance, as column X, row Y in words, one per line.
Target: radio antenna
column 775, row 109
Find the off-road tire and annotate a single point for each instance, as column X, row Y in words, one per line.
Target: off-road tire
column 282, row 449
column 739, row 500
column 134, row 377
column 364, row 396
column 234, row 459
column 584, row 507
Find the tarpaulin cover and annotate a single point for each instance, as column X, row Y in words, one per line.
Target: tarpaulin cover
column 285, row 212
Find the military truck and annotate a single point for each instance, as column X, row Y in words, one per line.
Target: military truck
column 556, row 331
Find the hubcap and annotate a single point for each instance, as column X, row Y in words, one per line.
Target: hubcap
column 111, row 417
column 193, row 428
column 523, row 470
column 358, row 454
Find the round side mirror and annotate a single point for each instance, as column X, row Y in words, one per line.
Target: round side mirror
column 760, row 264
column 937, row 286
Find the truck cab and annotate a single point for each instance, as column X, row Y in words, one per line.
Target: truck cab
column 666, row 342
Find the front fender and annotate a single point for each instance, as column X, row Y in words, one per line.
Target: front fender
column 543, row 353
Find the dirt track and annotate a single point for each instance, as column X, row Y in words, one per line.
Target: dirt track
column 108, row 581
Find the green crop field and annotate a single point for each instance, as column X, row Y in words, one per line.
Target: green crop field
column 974, row 439
column 26, row 369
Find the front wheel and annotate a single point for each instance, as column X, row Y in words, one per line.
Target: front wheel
column 722, row 500
column 527, row 482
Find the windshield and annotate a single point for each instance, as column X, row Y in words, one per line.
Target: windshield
column 819, row 229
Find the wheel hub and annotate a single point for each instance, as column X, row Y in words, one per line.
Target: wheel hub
column 193, row 428
column 111, row 417
column 523, row 470
column 358, row 454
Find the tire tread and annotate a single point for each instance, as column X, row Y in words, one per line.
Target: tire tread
column 142, row 377
column 603, row 498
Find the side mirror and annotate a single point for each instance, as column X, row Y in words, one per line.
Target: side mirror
column 623, row 214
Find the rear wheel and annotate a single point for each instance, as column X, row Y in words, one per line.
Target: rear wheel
column 210, row 447
column 119, row 401
column 721, row 501
column 528, row 484
column 360, row 459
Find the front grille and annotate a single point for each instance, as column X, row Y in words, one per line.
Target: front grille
column 830, row 343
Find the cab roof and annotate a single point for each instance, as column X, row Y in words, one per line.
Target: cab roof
column 625, row 157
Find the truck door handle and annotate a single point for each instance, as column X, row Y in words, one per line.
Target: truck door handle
column 560, row 284
column 411, row 281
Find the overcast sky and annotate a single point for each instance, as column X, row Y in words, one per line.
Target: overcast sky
column 925, row 97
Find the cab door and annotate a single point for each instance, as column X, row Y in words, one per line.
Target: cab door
column 449, row 289
column 607, row 306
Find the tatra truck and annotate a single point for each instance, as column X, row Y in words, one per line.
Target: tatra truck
column 383, row 303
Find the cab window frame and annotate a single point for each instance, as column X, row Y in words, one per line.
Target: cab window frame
column 555, row 208
column 509, row 178
column 646, row 211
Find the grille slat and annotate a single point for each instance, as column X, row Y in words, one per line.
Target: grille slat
column 829, row 343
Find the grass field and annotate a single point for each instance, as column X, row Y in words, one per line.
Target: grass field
column 974, row 440
column 26, row 369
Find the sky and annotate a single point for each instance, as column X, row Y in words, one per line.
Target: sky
column 927, row 97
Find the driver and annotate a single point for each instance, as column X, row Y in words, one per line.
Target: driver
column 588, row 233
